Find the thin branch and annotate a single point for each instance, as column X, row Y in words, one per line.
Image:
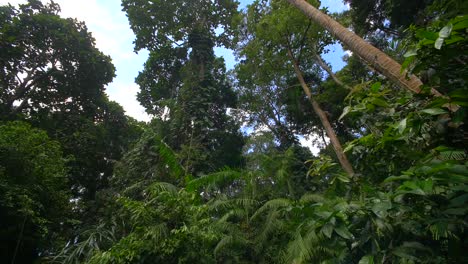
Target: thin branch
column 301, row 45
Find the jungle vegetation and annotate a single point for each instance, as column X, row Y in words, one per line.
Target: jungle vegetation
column 219, row 175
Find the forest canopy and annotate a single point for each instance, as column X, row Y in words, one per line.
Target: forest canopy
column 219, row 174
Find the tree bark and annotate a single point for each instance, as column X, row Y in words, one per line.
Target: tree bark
column 375, row 57
column 324, row 66
column 345, row 164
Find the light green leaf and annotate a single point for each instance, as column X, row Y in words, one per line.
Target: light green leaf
column 344, row 232
column 375, row 87
column 402, row 126
column 379, row 102
column 327, row 230
column 445, row 31
column 346, row 111
column 410, row 53
column 367, row 260
column 434, row 111
column 438, row 43
column 343, row 178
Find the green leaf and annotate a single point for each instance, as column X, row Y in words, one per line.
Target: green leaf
column 381, row 208
column 454, row 39
column 346, row 111
column 327, row 230
column 397, row 178
column 375, row 87
column 445, row 31
column 429, row 35
column 343, row 178
column 461, row 93
column 438, row 43
column 461, row 24
column 406, row 63
column 402, row 126
column 367, row 260
column 343, row 232
column 443, row 34
column 379, row 102
column 410, row 53
column 456, row 211
column 460, row 200
column 434, row 111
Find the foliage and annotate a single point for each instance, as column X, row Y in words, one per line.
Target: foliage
column 189, row 188
column 34, row 201
column 48, row 63
column 183, row 83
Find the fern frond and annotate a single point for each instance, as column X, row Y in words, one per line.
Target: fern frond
column 272, row 204
column 157, row 187
column 270, row 225
column 232, row 213
column 453, row 155
column 94, row 238
column 170, row 159
column 223, row 204
column 297, row 251
column 312, row 197
column 156, row 232
column 225, row 241
column 215, row 179
column 229, row 241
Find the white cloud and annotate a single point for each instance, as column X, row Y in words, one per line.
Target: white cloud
column 125, row 94
column 308, row 141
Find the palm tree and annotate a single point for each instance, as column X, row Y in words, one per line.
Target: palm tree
column 375, row 57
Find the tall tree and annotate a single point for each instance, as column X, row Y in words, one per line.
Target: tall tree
column 383, row 63
column 277, row 45
column 184, row 82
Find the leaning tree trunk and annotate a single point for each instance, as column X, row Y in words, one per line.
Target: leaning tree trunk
column 345, row 164
column 375, row 57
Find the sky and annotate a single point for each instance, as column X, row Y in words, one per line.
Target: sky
column 109, row 26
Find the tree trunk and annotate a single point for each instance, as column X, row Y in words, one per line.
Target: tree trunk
column 324, row 66
column 345, row 164
column 379, row 60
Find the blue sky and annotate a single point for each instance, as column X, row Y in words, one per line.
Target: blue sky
column 110, row 28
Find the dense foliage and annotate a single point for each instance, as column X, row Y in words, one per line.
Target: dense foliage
column 218, row 175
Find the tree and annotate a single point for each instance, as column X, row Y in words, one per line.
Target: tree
column 34, row 200
column 183, row 82
column 48, row 64
column 389, row 17
column 295, row 38
column 384, row 64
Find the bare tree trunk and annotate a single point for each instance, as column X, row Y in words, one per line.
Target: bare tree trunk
column 345, row 164
column 375, row 57
column 324, row 66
